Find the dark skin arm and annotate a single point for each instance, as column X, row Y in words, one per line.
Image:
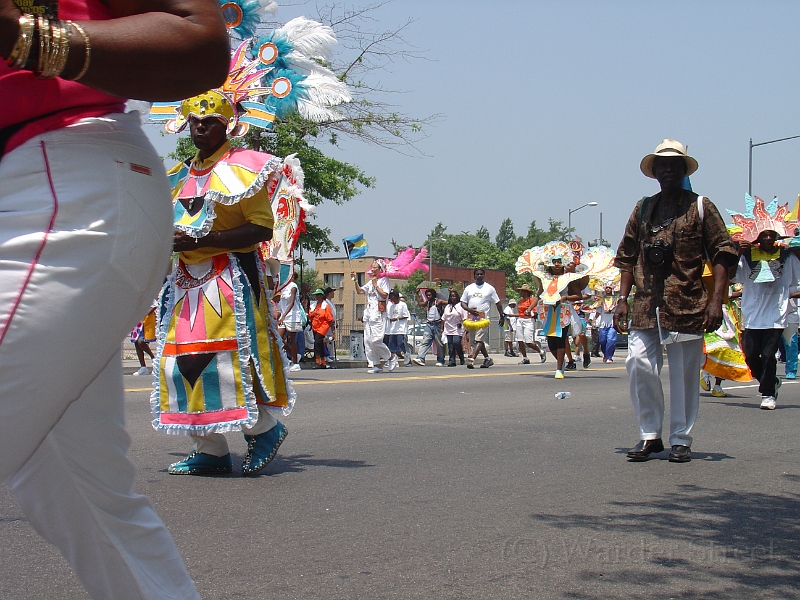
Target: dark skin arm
column 134, row 54
column 621, row 312
column 238, row 237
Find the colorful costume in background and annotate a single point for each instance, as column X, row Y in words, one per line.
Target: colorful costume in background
column 220, row 362
column 724, row 357
column 767, row 278
column 218, row 353
column 555, row 314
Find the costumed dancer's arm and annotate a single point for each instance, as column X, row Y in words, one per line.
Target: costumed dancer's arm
column 151, row 49
column 242, row 236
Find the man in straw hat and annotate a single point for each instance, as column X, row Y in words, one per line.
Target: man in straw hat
column 666, row 239
column 525, row 329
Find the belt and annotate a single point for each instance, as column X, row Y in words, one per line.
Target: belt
column 434, row 322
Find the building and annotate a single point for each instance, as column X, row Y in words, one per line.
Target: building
column 335, row 273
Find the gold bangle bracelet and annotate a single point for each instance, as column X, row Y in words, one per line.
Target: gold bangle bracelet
column 87, row 55
column 22, row 48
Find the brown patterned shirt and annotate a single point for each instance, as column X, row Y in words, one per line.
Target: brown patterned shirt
column 675, row 287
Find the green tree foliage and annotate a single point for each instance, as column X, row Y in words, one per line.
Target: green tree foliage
column 505, row 236
column 476, row 250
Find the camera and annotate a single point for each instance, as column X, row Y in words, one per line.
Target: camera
column 658, row 253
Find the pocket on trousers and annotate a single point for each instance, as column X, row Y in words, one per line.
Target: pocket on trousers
column 144, row 230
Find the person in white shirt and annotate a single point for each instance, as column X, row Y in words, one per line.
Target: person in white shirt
column 397, row 316
column 477, row 300
column 290, row 321
column 509, row 330
column 377, row 291
column 765, row 307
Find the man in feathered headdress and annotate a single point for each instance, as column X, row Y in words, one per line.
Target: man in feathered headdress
column 220, row 365
column 769, row 274
column 662, row 250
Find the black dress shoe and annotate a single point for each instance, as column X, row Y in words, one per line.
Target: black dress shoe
column 680, row 454
column 644, row 449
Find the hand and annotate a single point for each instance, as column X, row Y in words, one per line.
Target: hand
column 353, row 275
column 713, row 317
column 182, row 242
column 621, row 317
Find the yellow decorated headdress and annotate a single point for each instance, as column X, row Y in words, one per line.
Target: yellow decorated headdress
column 270, row 77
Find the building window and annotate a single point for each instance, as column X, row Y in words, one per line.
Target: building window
column 359, row 312
column 334, row 280
column 448, row 283
column 339, row 312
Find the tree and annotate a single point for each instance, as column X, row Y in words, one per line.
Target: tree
column 483, row 234
column 505, row 236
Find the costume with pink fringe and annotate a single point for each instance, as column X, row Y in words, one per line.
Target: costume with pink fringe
column 220, row 364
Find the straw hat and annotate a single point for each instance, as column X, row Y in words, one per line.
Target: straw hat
column 526, row 288
column 668, row 148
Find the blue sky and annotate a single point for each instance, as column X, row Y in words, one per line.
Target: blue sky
column 549, row 105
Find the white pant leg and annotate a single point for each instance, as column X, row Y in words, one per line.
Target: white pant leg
column 77, row 492
column 215, row 444
column 644, row 362
column 85, row 232
column 685, row 360
column 374, row 347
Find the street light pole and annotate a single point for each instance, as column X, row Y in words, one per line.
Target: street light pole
column 572, row 210
column 750, row 159
column 430, row 255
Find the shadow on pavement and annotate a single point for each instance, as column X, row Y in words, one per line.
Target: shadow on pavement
column 696, row 542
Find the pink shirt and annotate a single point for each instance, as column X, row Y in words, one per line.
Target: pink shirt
column 453, row 316
column 53, row 103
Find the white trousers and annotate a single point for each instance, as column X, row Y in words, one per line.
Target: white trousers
column 374, row 347
column 644, row 363
column 85, row 233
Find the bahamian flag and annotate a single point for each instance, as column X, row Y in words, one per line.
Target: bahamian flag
column 355, row 246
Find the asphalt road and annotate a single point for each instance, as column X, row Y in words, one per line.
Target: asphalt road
column 448, row 483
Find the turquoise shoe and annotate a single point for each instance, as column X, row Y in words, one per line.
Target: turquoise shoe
column 261, row 449
column 200, row 463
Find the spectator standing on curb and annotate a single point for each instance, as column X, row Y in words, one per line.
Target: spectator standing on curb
column 321, row 318
column 510, row 328
column 662, row 250
column 290, row 321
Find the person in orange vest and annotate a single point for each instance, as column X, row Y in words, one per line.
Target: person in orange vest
column 321, row 319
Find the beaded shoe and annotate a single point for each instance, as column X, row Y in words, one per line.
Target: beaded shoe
column 261, row 449
column 200, row 463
